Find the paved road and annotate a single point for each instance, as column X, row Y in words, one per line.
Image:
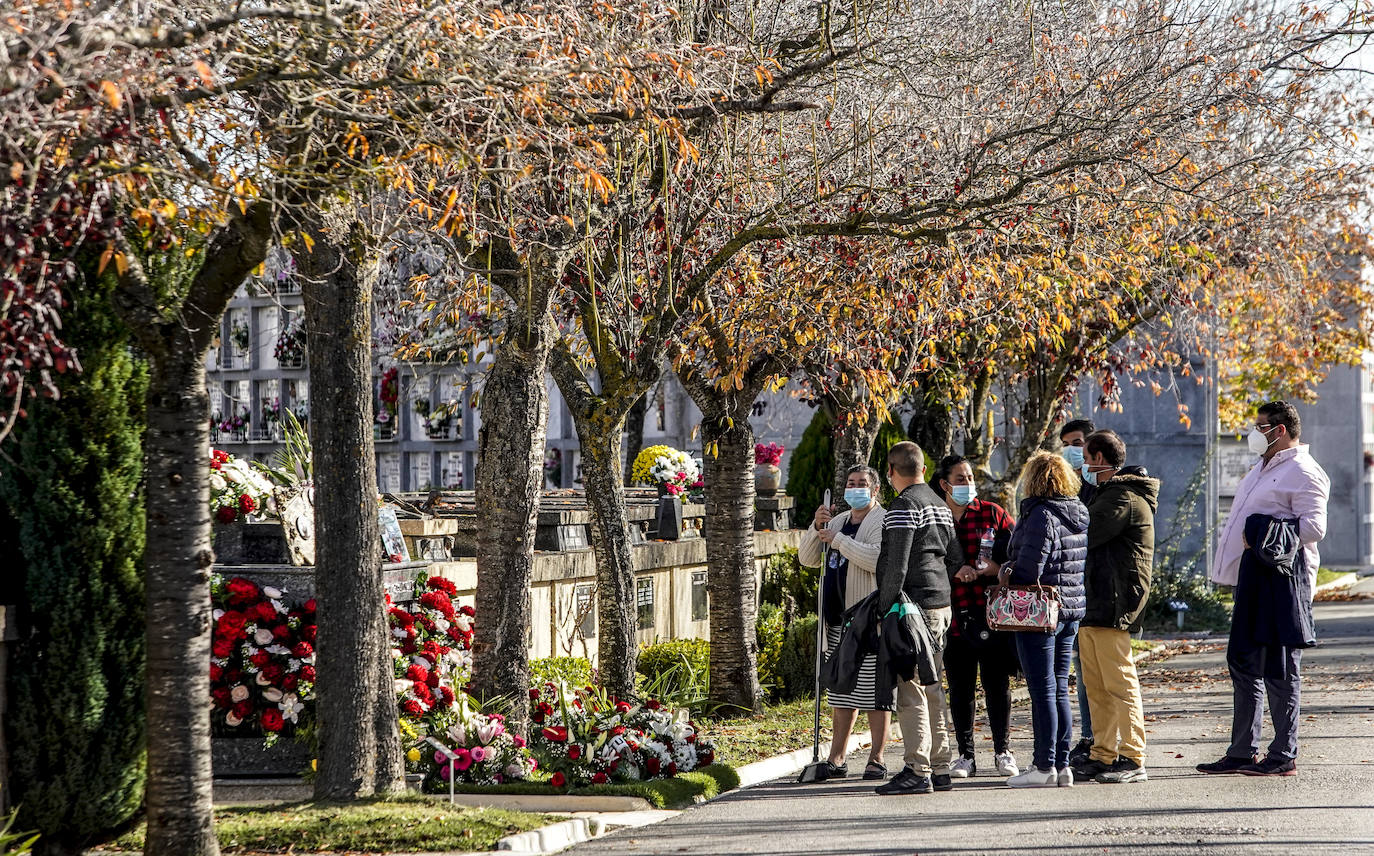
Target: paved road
column 1327, row 809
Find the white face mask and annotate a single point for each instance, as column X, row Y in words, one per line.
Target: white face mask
column 1257, row 440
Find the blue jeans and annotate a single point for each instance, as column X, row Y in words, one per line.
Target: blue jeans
column 1045, row 659
column 1085, row 717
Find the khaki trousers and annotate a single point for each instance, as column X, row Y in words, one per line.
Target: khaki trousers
column 922, row 711
column 1113, row 694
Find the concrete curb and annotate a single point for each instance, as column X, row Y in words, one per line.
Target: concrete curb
column 549, row 803
column 555, row 837
column 1343, row 581
column 790, row 762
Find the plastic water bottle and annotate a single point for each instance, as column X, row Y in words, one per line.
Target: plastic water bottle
column 985, row 548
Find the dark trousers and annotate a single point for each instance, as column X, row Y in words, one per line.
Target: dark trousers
column 963, row 661
column 1045, row 659
column 1257, row 671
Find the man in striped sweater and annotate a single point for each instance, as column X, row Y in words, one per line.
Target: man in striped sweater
column 919, row 555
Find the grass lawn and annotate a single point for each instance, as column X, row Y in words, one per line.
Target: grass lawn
column 1326, row 575
column 407, row 824
column 781, row 728
column 679, row 791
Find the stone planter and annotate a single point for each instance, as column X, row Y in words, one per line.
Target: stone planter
column 767, row 479
column 244, row 757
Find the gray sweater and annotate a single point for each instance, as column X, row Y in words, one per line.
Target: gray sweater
column 920, row 550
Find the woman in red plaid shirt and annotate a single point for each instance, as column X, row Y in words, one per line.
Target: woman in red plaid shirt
column 972, row 646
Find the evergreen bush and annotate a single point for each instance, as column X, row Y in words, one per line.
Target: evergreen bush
column 810, row 468
column 71, row 529
column 797, row 661
column 770, row 630
column 569, row 671
column 789, row 586
column 657, row 659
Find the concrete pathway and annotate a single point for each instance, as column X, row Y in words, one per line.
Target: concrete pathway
column 1327, row 809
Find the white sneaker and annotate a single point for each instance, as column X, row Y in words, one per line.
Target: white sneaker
column 1066, row 778
column 1006, row 765
column 1034, row 778
column 963, row 768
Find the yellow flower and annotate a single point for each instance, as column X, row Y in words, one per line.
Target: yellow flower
column 413, row 755
column 315, row 764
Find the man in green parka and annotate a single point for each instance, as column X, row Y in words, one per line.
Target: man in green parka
column 1121, row 549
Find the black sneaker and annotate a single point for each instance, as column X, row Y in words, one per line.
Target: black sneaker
column 1227, row 765
column 1089, row 770
column 1270, row 767
column 1123, row 772
column 942, row 782
column 905, row 782
column 1080, row 753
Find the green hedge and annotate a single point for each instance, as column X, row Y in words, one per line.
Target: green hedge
column 797, row 661
column 660, row 657
column 570, row 671
column 770, row 631
column 788, row 585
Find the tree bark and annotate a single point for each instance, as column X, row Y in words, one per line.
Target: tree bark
column 178, row 554
column 853, row 446
column 177, row 563
column 730, row 573
column 634, row 436
column 932, row 423
column 354, row 729
column 510, row 475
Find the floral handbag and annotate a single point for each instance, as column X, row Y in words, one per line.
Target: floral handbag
column 1033, row 608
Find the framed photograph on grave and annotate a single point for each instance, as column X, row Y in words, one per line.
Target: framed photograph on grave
column 393, row 542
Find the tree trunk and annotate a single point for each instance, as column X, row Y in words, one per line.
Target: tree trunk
column 634, row 435
column 177, row 563
column 853, row 447
column 510, row 475
column 731, row 577
column 932, row 422
column 599, row 435
column 337, row 288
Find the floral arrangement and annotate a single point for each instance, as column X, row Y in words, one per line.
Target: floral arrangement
column 262, row 659
column 238, row 334
column 675, row 471
column 271, row 410
column 769, row 455
column 236, row 489
column 389, row 394
column 290, row 349
column 585, row 737
column 236, row 423
column 473, row 748
column 436, row 418
column 433, row 653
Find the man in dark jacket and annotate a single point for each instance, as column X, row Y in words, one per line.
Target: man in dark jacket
column 1071, row 439
column 919, row 554
column 1121, row 549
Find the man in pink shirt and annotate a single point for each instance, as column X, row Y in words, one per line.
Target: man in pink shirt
column 1285, row 484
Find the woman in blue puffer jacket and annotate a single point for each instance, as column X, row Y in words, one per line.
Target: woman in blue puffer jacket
column 1049, row 546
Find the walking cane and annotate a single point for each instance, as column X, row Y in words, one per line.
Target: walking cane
column 812, row 772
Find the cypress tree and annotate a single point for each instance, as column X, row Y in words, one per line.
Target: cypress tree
column 72, row 525
column 810, row 467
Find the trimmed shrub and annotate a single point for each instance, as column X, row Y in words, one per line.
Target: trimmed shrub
column 771, row 630
column 71, row 529
column 569, row 671
column 788, row 585
column 797, row 662
column 810, row 468
column 657, row 659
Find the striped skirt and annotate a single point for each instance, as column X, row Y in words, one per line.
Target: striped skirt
column 865, row 693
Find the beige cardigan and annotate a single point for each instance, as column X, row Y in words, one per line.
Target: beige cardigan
column 861, row 551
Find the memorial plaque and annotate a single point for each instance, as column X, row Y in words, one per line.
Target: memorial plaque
column 297, row 508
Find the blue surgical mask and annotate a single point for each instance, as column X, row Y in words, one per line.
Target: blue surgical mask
column 1074, row 455
column 963, row 494
column 857, row 498
column 1088, row 475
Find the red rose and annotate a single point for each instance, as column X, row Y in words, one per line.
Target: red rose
column 652, row 704
column 222, row 647
column 232, row 625
column 233, row 676
column 534, row 694
column 558, row 780
column 622, row 707
column 416, row 672
column 443, row 585
column 652, row 766
column 220, row 695
column 436, row 600
column 260, row 659
column 307, row 673
column 422, row 691
column 556, row 734
column 433, row 680
column 412, row 707
column 467, row 610
column 691, row 738
column 248, row 505
column 226, row 514
column 599, row 779
column 537, row 717
column 309, row 606
column 216, row 673
column 408, row 648
column 289, row 683
column 308, row 633
column 239, row 591
column 447, row 695
column 243, row 709
column 574, row 752
column 281, row 632
column 672, row 768
column 545, row 708
column 705, row 758
column 617, row 731
column 272, row 720
column 272, row 672
column 266, row 612
column 303, row 650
